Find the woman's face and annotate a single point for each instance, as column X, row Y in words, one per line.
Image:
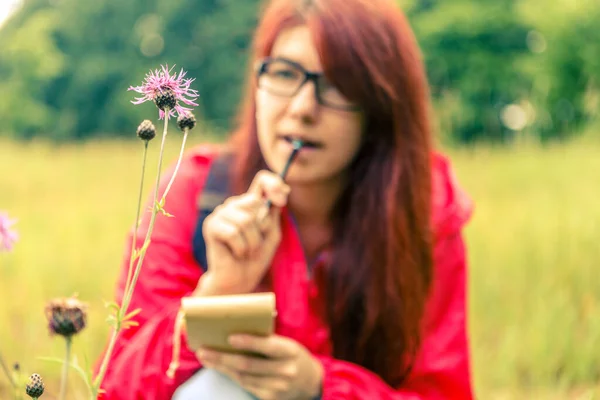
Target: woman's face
column 285, row 111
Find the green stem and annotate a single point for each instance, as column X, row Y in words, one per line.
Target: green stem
column 104, row 366
column 137, row 217
column 138, row 267
column 164, row 196
column 17, row 379
column 7, row 372
column 129, row 289
column 65, row 371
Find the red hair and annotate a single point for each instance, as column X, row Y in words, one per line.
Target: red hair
column 381, row 266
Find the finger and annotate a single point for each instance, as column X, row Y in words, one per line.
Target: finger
column 271, row 220
column 271, row 231
column 244, row 364
column 221, row 229
column 273, row 346
column 270, row 186
column 247, row 225
column 233, row 375
column 247, row 201
column 265, row 388
column 259, row 388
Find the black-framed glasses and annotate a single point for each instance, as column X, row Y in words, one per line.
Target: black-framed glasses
column 283, row 77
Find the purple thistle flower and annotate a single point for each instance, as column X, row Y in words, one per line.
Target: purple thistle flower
column 161, row 82
column 7, row 236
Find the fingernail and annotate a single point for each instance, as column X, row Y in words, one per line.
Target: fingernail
column 236, row 341
column 204, row 354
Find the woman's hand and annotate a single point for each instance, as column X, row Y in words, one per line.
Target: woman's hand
column 287, row 370
column 240, row 242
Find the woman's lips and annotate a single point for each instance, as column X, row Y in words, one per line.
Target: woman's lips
column 306, row 143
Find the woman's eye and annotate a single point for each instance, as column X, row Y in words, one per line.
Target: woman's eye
column 285, row 73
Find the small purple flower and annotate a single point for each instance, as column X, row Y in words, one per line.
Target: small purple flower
column 161, row 82
column 7, row 236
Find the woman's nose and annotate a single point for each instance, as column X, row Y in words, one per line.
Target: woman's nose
column 304, row 103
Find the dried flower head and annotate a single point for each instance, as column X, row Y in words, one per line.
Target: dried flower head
column 166, row 91
column 146, row 130
column 66, row 317
column 35, row 387
column 166, row 100
column 187, row 120
column 8, row 237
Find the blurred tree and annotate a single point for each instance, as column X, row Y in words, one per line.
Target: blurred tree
column 30, row 58
column 71, row 62
column 571, row 59
column 473, row 51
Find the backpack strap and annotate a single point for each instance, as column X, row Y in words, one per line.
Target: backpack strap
column 216, row 190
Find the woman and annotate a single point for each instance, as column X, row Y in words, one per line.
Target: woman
column 362, row 245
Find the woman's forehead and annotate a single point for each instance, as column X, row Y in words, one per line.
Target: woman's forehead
column 297, row 44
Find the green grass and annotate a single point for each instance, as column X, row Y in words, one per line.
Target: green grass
column 534, row 252
column 534, row 257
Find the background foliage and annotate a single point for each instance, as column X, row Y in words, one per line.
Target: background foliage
column 498, row 68
column 524, row 74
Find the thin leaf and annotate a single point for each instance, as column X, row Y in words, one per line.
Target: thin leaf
column 76, row 367
column 112, row 305
column 88, row 367
column 129, row 324
column 132, row 314
column 111, row 320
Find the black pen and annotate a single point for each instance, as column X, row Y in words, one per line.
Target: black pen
column 297, row 145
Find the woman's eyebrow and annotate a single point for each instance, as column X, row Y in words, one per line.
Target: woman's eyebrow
column 294, row 61
column 289, row 59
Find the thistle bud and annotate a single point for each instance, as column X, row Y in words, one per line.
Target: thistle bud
column 146, row 130
column 66, row 317
column 35, row 387
column 186, row 120
column 165, row 99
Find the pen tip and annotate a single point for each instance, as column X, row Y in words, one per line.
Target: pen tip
column 297, row 144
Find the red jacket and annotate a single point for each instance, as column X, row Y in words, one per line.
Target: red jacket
column 141, row 358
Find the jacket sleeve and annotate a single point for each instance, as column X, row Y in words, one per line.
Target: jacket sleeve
column 142, row 354
column 442, row 367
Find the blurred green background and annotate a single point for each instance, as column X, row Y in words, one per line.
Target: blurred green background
column 516, row 90
column 498, row 68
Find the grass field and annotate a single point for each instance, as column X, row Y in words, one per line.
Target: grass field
column 534, row 251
